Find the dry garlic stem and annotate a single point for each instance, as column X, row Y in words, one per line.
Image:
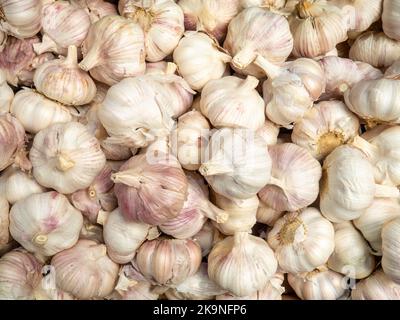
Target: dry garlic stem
column 391, row 18
column 390, row 249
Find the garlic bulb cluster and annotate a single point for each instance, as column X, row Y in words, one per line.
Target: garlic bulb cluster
column 390, row 19
column 66, row 157
column 96, row 9
column 6, row 94
column 242, row 254
column 239, row 165
column 4, row 222
column 302, row 241
column 85, row 270
column 294, row 182
column 390, row 249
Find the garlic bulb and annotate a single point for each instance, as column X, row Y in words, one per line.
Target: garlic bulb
column 47, row 289
column 207, row 237
column 77, row 87
column 6, row 94
column 161, row 21
column 36, row 112
column 348, row 187
column 210, row 16
column 318, row 284
column 4, row 222
column 152, row 191
column 66, row 157
column 317, row 27
column 21, row 18
column 324, row 127
column 294, row 182
column 200, row 59
column 96, row 9
column 302, row 240
column 168, row 261
column 377, row 286
column 85, row 270
column 233, row 102
column 238, row 165
column 20, row 185
column 113, row 50
column 376, row 49
column 63, row 25
column 243, row 254
column 267, row 215
column 390, row 249
column 370, row 223
column 256, row 33
column 269, row 132
column 390, row 18
column 241, row 214
column 20, row 274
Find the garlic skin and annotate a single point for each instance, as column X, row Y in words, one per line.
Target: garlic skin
column 152, row 191
column 161, row 21
column 85, row 270
column 20, row 185
column 242, row 254
column 370, row 223
column 239, row 164
column 390, row 19
column 21, row 19
column 269, row 132
column 324, row 127
column 256, row 33
column 200, row 59
column 317, row 27
column 47, row 289
column 65, row 157
column 351, row 253
column 96, row 9
column 385, row 50
column 36, row 112
column 113, row 50
column 4, row 222
column 207, row 237
column 377, row 286
column 210, row 16
column 232, row 102
column 20, row 274
column 302, row 240
column 6, row 94
column 168, row 261
column 294, row 182
column 267, row 215
column 390, row 249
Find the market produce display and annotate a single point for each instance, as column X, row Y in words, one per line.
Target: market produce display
column 200, row 149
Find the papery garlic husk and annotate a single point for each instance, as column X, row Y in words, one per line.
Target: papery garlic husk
column 66, row 157
column 207, row 237
column 390, row 249
column 254, row 33
column 20, row 185
column 376, row 49
column 269, row 132
column 168, row 261
column 62, row 80
column 98, row 196
column 238, row 165
column 151, row 190
column 243, row 254
column 233, row 102
column 294, row 182
column 200, row 59
column 113, row 50
column 317, row 27
column 210, row 16
column 63, row 24
column 6, row 94
column 324, row 127
column 241, row 214
column 391, row 18
column 196, row 210
column 347, row 186
column 377, row 286
column 267, row 215
column 20, row 274
column 318, row 284
column 122, row 237
column 21, row 19
column 196, row 287
column 36, row 112
column 91, row 231
column 4, row 222
column 45, row 223
column 302, row 240
column 96, row 9
column 85, row 270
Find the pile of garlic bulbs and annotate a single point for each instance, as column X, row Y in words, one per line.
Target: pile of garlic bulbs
column 200, row 149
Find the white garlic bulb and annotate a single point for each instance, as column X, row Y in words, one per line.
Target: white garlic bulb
column 239, row 164
column 66, row 157
column 267, row 215
column 6, row 94
column 302, row 240
column 351, row 255
column 269, row 132
column 324, row 127
column 4, row 222
column 200, row 59
column 207, row 237
column 294, row 182
column 256, row 33
column 113, row 50
column 390, row 249
column 243, row 254
column 390, row 18
column 96, row 9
